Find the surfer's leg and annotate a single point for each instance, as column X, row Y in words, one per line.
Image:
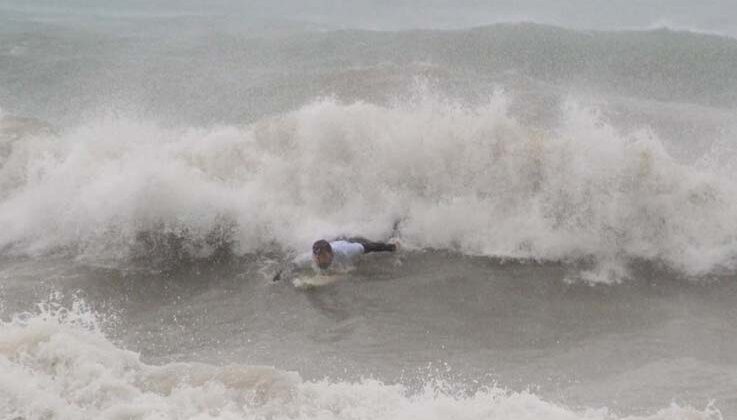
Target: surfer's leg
column 379, row 247
column 369, row 246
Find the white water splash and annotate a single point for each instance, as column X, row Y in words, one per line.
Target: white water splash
column 471, row 179
column 56, row 363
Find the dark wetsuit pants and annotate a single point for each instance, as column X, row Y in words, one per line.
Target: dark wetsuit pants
column 369, row 246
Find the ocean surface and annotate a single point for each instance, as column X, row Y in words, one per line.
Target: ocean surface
column 560, row 174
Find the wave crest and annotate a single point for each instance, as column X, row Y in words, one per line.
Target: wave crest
column 468, row 178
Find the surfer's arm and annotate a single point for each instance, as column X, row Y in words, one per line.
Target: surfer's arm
column 301, row 262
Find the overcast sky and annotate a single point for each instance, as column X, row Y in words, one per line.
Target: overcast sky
column 718, row 16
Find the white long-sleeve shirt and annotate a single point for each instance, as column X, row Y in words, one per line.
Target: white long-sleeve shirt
column 344, row 253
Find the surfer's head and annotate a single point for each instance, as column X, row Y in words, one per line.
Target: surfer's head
column 322, row 253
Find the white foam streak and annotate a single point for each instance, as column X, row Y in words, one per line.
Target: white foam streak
column 471, row 179
column 57, row 364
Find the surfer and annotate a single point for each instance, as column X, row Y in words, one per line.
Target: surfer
column 344, row 251
column 340, row 252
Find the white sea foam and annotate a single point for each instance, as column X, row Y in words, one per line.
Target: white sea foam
column 472, row 179
column 56, row 363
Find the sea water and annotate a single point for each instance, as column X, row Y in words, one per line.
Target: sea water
column 560, row 177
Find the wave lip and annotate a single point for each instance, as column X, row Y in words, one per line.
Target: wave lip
column 56, row 363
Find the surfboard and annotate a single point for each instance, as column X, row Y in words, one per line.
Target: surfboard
column 318, row 280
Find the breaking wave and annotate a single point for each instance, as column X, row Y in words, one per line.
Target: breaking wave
column 467, row 178
column 56, row 363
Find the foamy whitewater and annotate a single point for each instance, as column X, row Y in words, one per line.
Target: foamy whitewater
column 472, row 180
column 56, row 363
column 563, row 192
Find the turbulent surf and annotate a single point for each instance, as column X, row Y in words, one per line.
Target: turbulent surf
column 561, row 181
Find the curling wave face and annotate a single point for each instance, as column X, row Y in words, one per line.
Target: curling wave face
column 467, row 178
column 56, row 363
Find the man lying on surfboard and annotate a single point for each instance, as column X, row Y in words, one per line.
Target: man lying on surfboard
column 340, row 252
